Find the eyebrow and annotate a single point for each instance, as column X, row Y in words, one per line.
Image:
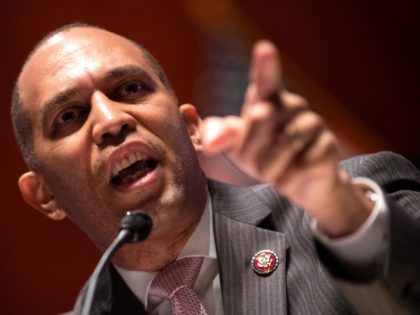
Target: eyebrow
column 129, row 70
column 112, row 75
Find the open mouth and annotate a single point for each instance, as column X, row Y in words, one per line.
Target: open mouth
column 132, row 169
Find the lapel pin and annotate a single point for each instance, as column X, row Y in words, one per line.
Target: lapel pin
column 265, row 262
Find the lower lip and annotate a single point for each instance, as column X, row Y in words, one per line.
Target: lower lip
column 142, row 183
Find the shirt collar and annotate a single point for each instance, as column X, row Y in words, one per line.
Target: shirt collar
column 201, row 243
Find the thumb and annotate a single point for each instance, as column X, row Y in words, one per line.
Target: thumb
column 220, row 133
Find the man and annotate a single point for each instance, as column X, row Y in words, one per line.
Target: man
column 102, row 133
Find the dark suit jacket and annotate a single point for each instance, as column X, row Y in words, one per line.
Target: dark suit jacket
column 247, row 220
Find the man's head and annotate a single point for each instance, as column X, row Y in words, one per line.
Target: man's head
column 23, row 128
column 107, row 135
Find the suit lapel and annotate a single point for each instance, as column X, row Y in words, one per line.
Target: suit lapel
column 236, row 212
column 112, row 296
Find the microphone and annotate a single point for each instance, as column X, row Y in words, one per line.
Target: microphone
column 135, row 227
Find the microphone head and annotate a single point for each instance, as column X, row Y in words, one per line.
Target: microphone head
column 138, row 223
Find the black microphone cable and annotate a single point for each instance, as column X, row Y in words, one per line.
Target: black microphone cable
column 135, row 227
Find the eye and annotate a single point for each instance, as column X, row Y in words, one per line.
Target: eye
column 69, row 119
column 68, row 116
column 131, row 88
column 131, row 91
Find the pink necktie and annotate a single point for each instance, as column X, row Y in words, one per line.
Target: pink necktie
column 175, row 283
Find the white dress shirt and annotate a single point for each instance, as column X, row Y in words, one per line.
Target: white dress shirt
column 207, row 285
column 364, row 245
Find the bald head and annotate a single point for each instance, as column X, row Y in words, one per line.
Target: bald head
column 22, row 117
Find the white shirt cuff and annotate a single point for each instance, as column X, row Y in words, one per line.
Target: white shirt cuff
column 365, row 244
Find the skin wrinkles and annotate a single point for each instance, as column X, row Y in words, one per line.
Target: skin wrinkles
column 73, row 170
column 53, row 105
column 127, row 72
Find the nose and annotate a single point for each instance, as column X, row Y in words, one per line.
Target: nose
column 110, row 120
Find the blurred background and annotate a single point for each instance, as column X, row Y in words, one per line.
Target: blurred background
column 356, row 61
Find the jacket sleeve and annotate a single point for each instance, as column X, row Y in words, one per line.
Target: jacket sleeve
column 392, row 284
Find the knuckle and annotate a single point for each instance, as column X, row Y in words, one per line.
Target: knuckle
column 261, row 113
column 313, row 118
column 328, row 142
column 295, row 101
column 309, row 121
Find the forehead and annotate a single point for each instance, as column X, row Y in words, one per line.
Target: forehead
column 79, row 55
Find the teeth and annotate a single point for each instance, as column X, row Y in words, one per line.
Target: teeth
column 131, row 178
column 132, row 158
column 127, row 161
column 124, row 163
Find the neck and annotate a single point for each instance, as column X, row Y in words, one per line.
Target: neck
column 163, row 247
column 152, row 255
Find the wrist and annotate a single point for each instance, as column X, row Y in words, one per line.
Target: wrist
column 350, row 204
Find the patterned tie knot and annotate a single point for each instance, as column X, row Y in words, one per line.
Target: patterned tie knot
column 176, row 281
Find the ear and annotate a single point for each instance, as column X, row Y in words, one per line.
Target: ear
column 36, row 194
column 193, row 122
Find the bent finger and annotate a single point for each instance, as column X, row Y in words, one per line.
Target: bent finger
column 220, row 133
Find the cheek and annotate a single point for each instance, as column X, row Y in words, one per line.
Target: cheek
column 68, row 153
column 71, row 179
column 66, row 161
column 161, row 117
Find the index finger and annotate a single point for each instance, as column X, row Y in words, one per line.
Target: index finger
column 265, row 72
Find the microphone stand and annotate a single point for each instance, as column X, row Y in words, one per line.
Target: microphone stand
column 135, row 227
